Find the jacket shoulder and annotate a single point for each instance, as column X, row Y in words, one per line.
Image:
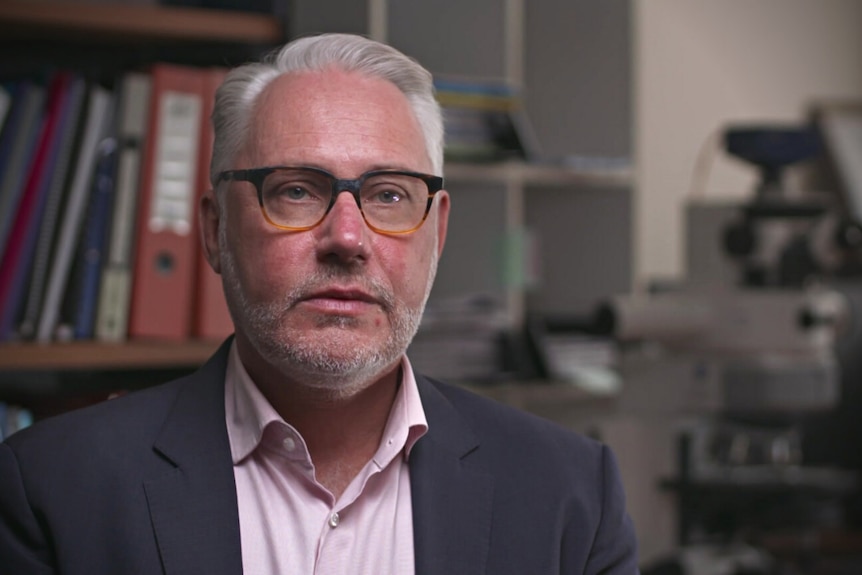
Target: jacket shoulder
column 509, row 430
column 130, row 420
column 135, row 414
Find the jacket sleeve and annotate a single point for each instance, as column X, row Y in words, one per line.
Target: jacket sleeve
column 23, row 546
column 614, row 549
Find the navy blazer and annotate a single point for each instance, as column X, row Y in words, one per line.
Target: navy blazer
column 144, row 484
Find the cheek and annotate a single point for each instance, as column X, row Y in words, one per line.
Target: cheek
column 274, row 263
column 262, row 258
column 408, row 268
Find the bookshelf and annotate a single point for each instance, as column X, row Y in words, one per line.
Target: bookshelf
column 552, row 235
column 103, row 39
column 526, row 174
column 508, row 189
column 545, row 237
column 91, row 355
column 89, row 367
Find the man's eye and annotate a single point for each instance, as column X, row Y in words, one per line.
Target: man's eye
column 293, row 192
column 389, row 196
column 385, row 195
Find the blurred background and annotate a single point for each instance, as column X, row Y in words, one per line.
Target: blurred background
column 655, row 239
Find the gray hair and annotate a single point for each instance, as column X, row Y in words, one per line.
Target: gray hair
column 236, row 97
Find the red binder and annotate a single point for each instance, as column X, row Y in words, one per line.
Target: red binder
column 163, row 281
column 211, row 317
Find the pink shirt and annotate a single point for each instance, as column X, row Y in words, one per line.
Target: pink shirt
column 289, row 523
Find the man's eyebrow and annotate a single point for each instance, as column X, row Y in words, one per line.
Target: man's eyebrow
column 393, row 167
column 372, row 168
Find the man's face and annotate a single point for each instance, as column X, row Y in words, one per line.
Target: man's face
column 336, row 306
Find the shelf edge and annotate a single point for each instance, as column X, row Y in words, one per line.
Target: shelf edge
column 143, row 21
column 81, row 356
column 536, row 174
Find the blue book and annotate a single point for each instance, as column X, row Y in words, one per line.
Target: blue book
column 26, row 228
column 18, row 143
column 95, row 239
column 4, row 424
column 68, row 135
column 96, row 127
column 5, row 103
column 10, row 135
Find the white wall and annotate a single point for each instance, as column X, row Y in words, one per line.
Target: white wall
column 701, row 63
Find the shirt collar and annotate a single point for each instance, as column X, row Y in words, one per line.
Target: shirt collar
column 248, row 413
column 406, row 423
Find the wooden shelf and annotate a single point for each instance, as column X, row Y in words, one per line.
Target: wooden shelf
column 522, row 173
column 90, row 355
column 138, row 22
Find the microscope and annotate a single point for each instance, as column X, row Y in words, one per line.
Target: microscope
column 745, row 348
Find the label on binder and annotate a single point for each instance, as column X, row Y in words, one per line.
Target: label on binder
column 176, row 158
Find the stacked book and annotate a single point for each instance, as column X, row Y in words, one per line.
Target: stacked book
column 483, row 121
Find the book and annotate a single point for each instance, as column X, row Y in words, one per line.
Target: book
column 97, row 123
column 211, row 318
column 18, row 257
column 116, row 282
column 482, row 120
column 95, row 240
column 16, row 149
column 67, row 136
column 5, row 104
column 161, row 305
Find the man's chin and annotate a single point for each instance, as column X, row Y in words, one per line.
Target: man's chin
column 340, row 322
column 336, row 376
column 334, row 352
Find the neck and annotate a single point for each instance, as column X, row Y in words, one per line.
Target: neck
column 342, row 431
column 334, row 424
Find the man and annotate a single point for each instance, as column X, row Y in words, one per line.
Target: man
column 307, row 444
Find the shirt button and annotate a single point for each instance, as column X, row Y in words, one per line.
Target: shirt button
column 289, row 443
column 334, row 520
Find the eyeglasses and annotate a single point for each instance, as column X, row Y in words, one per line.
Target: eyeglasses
column 298, row 198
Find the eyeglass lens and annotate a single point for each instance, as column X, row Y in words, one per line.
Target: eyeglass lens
column 297, row 197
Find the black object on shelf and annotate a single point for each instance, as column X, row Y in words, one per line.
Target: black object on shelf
column 276, row 7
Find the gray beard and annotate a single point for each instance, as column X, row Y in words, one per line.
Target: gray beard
column 299, row 355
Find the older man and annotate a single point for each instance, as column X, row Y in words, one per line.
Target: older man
column 307, row 444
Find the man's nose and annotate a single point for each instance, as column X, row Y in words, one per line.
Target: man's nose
column 343, row 232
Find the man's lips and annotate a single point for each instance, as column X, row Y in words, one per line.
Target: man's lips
column 341, row 300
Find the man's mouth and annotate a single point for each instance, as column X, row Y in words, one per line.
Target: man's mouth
column 341, row 300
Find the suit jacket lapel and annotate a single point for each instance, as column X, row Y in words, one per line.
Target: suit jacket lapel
column 451, row 493
column 193, row 507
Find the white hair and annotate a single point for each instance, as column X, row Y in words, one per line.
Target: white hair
column 236, row 97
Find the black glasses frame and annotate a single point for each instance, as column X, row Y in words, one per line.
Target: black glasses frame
column 256, row 176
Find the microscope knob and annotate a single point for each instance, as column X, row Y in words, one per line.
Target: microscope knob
column 739, row 239
column 848, row 236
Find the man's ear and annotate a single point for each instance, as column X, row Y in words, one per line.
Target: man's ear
column 208, row 219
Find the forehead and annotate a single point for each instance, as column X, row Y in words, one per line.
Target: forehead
column 337, row 120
